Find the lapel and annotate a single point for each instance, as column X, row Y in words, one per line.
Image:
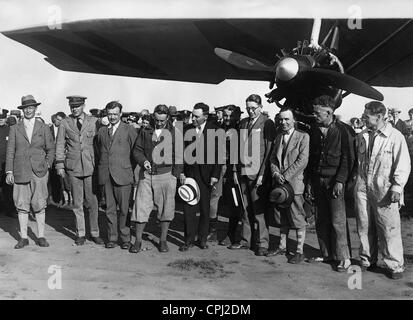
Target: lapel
column 84, row 124
column 35, row 128
column 257, row 123
column 278, row 145
column 291, row 143
column 20, row 127
column 72, row 124
column 116, row 134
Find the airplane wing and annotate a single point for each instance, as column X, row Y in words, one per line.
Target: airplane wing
column 381, row 53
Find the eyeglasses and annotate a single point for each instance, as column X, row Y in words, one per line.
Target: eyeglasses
column 252, row 108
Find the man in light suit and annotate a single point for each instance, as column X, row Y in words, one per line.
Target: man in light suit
column 30, row 154
column 289, row 158
column 257, row 133
column 115, row 172
column 75, row 153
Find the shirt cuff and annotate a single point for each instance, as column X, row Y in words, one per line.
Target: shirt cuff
column 396, row 188
column 7, row 172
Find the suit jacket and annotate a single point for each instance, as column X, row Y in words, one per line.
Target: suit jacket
column 292, row 162
column 23, row 157
column 256, row 165
column 4, row 137
column 75, row 149
column 206, row 170
column 115, row 154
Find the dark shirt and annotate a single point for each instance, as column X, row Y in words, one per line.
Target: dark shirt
column 144, row 148
column 331, row 156
column 402, row 127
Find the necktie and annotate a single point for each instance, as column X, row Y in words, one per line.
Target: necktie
column 29, row 130
column 79, row 124
column 372, row 137
column 111, row 131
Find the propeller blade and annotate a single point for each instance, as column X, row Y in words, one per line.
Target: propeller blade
column 335, row 40
column 241, row 61
column 275, row 95
column 345, row 82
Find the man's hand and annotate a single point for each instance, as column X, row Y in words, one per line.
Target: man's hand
column 182, row 178
column 337, row 189
column 279, row 178
column 213, row 182
column 259, row 181
column 61, row 172
column 10, row 178
column 394, row 196
column 147, row 166
column 308, row 192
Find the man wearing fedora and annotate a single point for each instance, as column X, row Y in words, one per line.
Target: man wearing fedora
column 330, row 166
column 258, row 134
column 158, row 177
column 398, row 123
column 30, row 154
column 75, row 155
column 205, row 173
column 289, row 159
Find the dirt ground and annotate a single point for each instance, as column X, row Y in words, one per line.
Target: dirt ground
column 93, row 272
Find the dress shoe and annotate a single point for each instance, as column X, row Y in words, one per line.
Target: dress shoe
column 137, row 247
column 21, row 243
column 297, row 258
column 277, row 252
column 111, row 245
column 203, row 245
column 237, row 246
column 98, row 240
column 371, row 267
column 225, row 242
column 42, row 242
column 212, row 236
column 261, row 251
column 185, row 247
column 80, row 241
column 394, row 275
column 126, row 245
column 163, row 246
column 343, row 266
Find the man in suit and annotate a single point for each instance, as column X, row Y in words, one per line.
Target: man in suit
column 75, row 153
column 30, row 154
column 56, row 183
column 257, row 133
column 5, row 189
column 205, row 173
column 115, row 172
column 289, row 158
column 398, row 123
column 157, row 185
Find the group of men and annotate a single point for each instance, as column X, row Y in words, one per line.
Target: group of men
column 286, row 169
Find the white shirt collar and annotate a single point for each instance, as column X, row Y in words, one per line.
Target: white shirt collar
column 27, row 121
column 115, row 127
column 202, row 127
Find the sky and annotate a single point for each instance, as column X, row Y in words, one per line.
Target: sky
column 23, row 71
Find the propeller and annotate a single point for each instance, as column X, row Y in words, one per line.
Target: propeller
column 242, row 61
column 302, row 74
